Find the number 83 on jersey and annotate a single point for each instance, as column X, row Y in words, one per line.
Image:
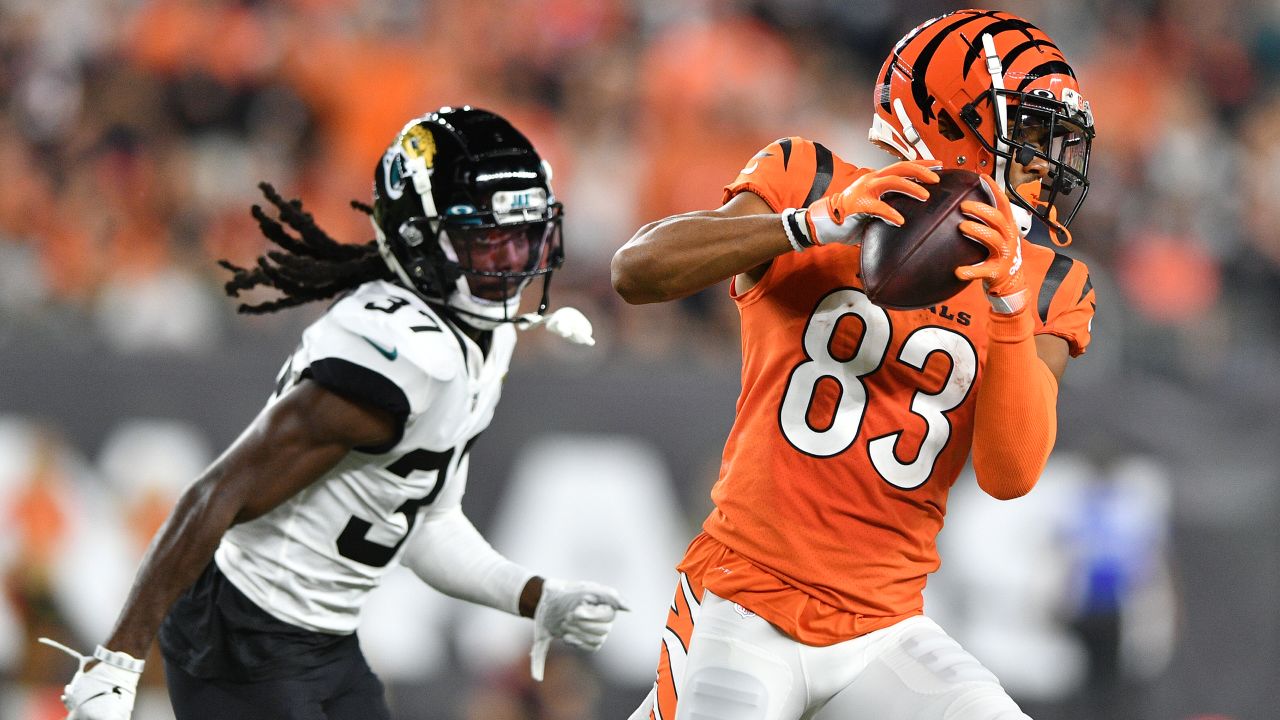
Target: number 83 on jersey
column 852, row 372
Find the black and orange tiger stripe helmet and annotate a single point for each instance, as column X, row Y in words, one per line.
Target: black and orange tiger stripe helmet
column 977, row 88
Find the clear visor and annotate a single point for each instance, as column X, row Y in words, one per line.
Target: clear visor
column 499, row 259
column 1040, row 128
column 1051, row 137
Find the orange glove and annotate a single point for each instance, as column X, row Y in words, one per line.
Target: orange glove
column 996, row 229
column 841, row 218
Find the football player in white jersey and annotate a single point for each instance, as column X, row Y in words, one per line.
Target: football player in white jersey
column 359, row 459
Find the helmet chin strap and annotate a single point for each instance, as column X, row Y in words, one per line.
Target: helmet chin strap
column 566, row 322
column 474, row 319
column 478, row 312
column 907, row 143
column 384, row 249
column 996, row 70
column 909, row 131
column 1023, row 216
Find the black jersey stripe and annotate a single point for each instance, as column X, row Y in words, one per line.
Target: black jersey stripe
column 1058, row 270
column 785, row 144
column 920, row 68
column 1048, row 68
column 822, row 176
column 1088, row 285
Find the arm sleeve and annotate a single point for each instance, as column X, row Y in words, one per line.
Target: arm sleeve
column 450, row 555
column 1015, row 421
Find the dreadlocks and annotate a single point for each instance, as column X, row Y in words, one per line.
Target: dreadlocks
column 312, row 266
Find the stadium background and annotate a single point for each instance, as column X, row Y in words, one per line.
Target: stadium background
column 1138, row 581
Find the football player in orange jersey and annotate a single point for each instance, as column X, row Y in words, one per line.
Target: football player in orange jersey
column 802, row 596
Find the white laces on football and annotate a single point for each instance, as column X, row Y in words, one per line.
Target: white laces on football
column 567, row 322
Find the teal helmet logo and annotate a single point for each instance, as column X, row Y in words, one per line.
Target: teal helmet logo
column 393, row 174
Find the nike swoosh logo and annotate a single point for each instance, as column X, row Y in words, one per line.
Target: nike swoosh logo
column 756, row 164
column 391, row 354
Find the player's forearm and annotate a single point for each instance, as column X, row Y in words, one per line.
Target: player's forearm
column 450, row 555
column 681, row 255
column 530, row 596
column 178, row 554
column 1015, row 421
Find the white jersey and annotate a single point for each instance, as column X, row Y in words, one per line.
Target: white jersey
column 312, row 561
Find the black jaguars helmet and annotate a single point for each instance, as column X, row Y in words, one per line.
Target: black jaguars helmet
column 465, row 214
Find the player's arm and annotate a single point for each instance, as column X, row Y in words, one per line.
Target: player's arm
column 682, row 254
column 450, row 555
column 286, row 448
column 1015, row 418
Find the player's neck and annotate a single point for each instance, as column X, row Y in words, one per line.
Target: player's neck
column 482, row 338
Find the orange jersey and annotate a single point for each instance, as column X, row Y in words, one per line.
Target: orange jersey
column 853, row 422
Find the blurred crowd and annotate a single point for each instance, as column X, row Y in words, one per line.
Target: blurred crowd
column 133, row 134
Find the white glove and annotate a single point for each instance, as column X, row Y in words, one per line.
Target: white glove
column 570, row 324
column 105, row 691
column 567, row 322
column 580, row 613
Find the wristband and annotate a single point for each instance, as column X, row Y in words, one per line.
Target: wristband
column 124, row 661
column 795, row 224
column 1008, row 304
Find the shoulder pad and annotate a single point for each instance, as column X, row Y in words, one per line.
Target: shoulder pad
column 393, row 328
column 1064, row 294
column 792, row 173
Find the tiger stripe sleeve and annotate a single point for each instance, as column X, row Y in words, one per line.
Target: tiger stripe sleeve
column 788, row 173
column 1066, row 302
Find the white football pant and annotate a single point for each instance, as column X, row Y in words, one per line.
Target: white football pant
column 740, row 667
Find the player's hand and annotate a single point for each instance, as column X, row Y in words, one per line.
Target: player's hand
column 105, row 691
column 580, row 613
column 996, row 229
column 842, row 217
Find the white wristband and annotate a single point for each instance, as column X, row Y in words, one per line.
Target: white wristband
column 795, row 223
column 1008, row 304
column 124, row 661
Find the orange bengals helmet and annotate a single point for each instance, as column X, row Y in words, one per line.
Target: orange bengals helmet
column 978, row 88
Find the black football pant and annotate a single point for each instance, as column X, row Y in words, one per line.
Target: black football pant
column 345, row 689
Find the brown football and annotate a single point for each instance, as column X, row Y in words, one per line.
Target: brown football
column 913, row 266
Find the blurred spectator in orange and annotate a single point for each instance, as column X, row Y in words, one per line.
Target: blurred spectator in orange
column 713, row 89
